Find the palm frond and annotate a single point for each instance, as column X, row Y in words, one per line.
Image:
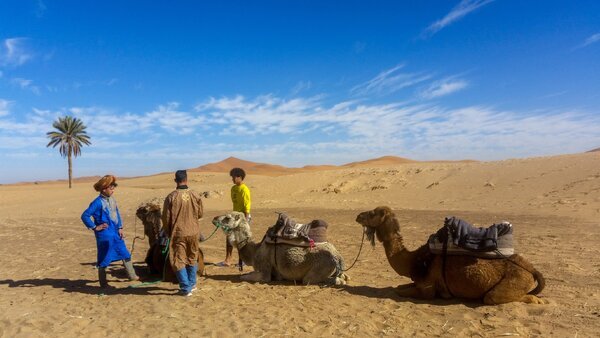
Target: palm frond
column 70, row 135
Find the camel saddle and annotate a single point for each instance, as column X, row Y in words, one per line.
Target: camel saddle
column 288, row 231
column 458, row 237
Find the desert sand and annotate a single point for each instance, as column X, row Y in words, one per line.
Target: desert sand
column 48, row 283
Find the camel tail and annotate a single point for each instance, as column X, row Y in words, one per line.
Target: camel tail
column 541, row 282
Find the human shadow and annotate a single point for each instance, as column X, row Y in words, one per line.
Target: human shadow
column 390, row 293
column 86, row 286
column 117, row 270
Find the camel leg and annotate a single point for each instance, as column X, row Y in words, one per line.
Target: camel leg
column 342, row 279
column 531, row 299
column 313, row 276
column 322, row 273
column 416, row 291
column 506, row 291
column 339, row 280
column 256, row 276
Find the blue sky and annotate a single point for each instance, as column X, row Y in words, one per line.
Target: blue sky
column 169, row 85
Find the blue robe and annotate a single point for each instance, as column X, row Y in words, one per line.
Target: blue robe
column 110, row 245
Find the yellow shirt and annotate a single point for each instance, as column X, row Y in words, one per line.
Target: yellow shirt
column 240, row 196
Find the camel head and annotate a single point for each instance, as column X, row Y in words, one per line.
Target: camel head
column 235, row 226
column 380, row 221
column 148, row 211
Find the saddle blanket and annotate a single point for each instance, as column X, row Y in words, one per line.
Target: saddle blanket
column 462, row 238
column 505, row 248
column 288, row 231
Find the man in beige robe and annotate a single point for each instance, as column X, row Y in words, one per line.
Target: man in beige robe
column 181, row 211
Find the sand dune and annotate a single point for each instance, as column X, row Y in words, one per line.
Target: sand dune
column 48, row 285
column 250, row 167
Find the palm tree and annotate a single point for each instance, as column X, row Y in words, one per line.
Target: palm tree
column 70, row 135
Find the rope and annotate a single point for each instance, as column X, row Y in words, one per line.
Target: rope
column 135, row 235
column 216, row 228
column 358, row 255
column 510, row 260
column 165, row 252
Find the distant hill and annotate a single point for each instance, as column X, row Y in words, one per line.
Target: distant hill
column 276, row 170
column 593, row 150
column 384, row 160
column 250, row 167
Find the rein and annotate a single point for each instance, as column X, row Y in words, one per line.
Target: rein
column 135, row 236
column 359, row 250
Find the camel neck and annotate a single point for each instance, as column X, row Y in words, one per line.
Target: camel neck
column 397, row 254
column 247, row 252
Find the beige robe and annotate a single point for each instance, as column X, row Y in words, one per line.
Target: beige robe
column 181, row 211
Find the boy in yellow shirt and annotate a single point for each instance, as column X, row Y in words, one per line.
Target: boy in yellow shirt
column 240, row 197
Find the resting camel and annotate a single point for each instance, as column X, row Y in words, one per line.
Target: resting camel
column 321, row 264
column 495, row 281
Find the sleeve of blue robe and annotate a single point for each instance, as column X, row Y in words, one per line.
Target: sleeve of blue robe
column 93, row 211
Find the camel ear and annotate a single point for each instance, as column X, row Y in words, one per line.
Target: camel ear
column 384, row 213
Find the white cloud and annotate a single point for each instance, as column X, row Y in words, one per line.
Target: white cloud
column 301, row 86
column 31, row 126
column 389, row 81
column 423, row 131
column 112, row 81
column 110, row 143
column 268, row 128
column 168, row 117
column 590, row 40
column 104, row 121
column 14, row 52
column 459, row 11
column 26, row 84
column 40, row 9
column 443, row 87
column 22, row 142
column 263, row 115
column 4, row 107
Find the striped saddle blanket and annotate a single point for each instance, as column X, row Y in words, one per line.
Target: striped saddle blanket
column 288, row 231
column 458, row 237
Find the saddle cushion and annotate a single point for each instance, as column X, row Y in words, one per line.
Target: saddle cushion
column 287, row 230
column 504, row 249
column 462, row 238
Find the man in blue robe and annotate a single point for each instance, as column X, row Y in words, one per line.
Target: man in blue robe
column 102, row 216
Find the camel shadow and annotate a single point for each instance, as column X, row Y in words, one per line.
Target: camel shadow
column 236, row 278
column 390, row 293
column 83, row 286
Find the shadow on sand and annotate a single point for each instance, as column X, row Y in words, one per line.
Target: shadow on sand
column 91, row 287
column 85, row 286
column 390, row 293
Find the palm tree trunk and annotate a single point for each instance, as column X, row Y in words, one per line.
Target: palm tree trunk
column 70, row 166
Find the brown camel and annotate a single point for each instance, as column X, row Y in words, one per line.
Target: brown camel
column 495, row 281
column 149, row 213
